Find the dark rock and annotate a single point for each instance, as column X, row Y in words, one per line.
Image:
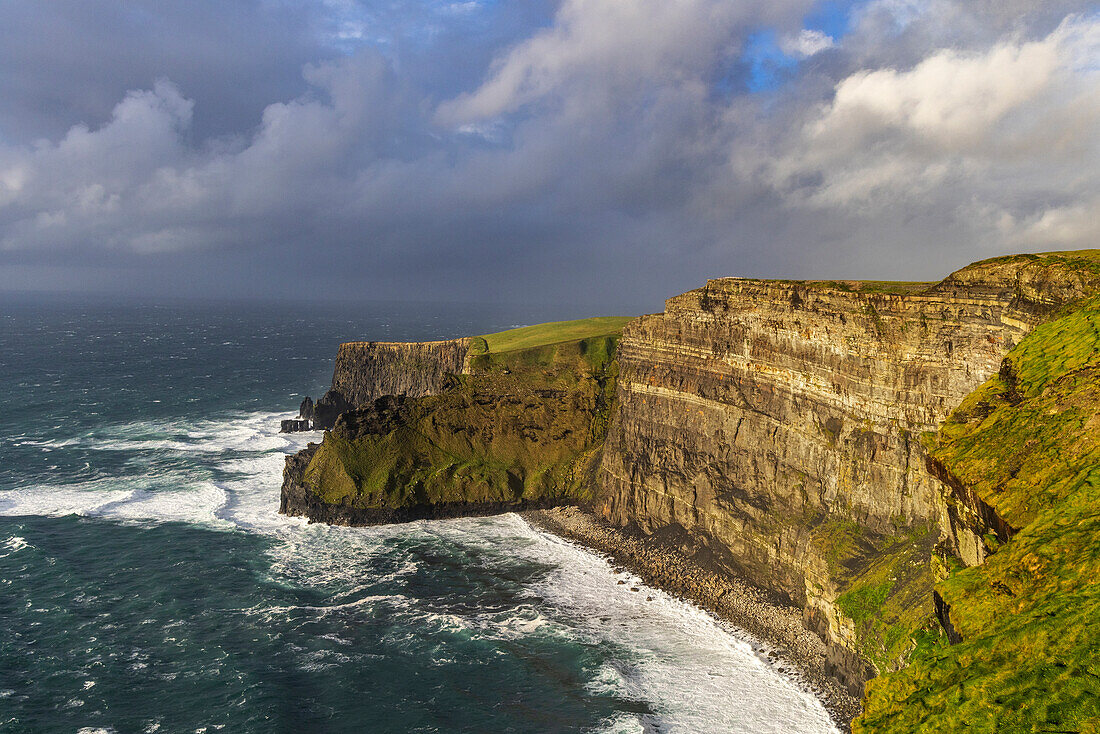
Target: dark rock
column 294, row 425
column 328, row 408
column 305, row 412
column 365, row 371
column 943, row 614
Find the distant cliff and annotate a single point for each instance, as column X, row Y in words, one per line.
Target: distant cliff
column 488, row 424
column 850, row 446
column 365, row 371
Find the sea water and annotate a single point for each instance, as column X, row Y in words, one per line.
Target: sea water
column 148, row 584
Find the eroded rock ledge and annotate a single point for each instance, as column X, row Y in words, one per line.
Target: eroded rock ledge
column 515, row 429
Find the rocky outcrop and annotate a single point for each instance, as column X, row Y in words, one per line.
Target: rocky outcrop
column 777, row 424
column 328, row 408
column 365, row 371
column 294, row 425
column 305, row 410
column 523, row 430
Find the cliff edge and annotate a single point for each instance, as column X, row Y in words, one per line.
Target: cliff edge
column 483, row 425
column 910, row 464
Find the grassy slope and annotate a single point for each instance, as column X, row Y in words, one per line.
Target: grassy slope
column 1077, row 259
column 526, row 426
column 893, row 287
column 553, row 332
column 1028, row 441
column 885, row 586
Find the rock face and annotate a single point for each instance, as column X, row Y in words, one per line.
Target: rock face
column 305, row 411
column 522, row 430
column 365, row 371
column 778, row 425
column 294, row 425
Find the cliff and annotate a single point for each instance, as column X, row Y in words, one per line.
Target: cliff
column 1022, row 645
column 365, row 371
column 774, row 428
column 911, row 464
column 517, row 424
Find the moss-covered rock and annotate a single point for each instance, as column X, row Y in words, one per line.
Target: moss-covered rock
column 1027, row 445
column 523, row 428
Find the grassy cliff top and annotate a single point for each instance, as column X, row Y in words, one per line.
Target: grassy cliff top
column 1028, row 443
column 1083, row 259
column 1085, row 263
column 554, row 332
column 892, row 287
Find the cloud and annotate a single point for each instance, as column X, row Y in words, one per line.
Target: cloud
column 1015, row 122
column 807, row 43
column 591, row 150
column 603, row 50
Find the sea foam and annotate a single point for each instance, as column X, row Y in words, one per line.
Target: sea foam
column 693, row 673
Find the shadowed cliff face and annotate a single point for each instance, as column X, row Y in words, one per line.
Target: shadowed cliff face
column 778, row 424
column 366, row 371
column 520, row 430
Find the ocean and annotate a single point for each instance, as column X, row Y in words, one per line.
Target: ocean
column 147, row 583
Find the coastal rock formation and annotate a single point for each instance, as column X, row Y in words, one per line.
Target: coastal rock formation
column 776, row 426
column 1021, row 649
column 365, row 371
column 515, row 429
column 294, row 425
column 897, row 460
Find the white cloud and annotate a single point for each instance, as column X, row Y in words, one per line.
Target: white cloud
column 1069, row 227
column 1021, row 113
column 607, row 136
column 807, row 43
column 599, row 51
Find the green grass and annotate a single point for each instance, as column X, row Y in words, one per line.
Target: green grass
column 553, row 332
column 1028, row 442
column 524, row 426
column 892, row 287
column 885, row 585
column 1087, row 260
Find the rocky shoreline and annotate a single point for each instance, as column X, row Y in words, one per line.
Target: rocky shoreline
column 730, row 599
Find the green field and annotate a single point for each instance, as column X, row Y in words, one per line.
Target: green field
column 890, row 287
column 553, row 332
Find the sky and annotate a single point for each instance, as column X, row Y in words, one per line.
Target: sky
column 607, row 153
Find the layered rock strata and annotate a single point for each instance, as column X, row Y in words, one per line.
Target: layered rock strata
column 776, row 425
column 365, row 371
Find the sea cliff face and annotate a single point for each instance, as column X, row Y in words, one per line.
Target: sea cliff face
column 366, row 371
column 830, row 442
column 777, row 425
column 775, row 428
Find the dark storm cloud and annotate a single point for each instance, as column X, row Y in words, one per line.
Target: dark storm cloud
column 608, row 152
column 66, row 62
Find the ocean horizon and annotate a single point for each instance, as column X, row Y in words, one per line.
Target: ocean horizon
column 151, row 585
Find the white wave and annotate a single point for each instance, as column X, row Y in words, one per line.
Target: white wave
column 696, row 674
column 246, row 445
column 699, row 675
column 14, row 544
